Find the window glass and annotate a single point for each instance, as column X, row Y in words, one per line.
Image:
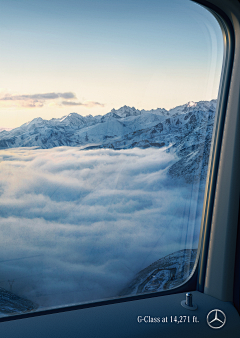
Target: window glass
column 106, row 116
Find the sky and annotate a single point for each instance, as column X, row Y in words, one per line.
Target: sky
column 88, row 57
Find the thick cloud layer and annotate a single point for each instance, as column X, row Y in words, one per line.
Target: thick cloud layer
column 78, row 225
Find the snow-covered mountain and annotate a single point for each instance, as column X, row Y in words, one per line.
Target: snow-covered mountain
column 185, row 130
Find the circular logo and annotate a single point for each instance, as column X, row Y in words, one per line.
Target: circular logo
column 216, row 319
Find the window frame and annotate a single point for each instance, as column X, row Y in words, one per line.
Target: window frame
column 214, row 158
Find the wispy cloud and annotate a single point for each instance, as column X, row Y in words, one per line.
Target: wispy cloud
column 44, row 96
column 89, row 104
column 40, row 100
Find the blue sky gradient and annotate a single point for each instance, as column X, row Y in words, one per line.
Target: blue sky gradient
column 146, row 54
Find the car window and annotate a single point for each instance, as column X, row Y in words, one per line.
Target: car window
column 107, row 114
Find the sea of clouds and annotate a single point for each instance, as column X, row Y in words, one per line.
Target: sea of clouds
column 77, row 225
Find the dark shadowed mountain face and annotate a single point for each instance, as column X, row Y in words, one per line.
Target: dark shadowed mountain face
column 11, row 303
column 184, row 130
column 164, row 274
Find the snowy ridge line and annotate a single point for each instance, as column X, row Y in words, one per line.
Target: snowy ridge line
column 124, row 124
column 184, row 130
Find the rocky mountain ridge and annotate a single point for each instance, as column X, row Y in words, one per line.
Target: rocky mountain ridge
column 184, row 130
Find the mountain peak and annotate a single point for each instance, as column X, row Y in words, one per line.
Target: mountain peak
column 37, row 120
column 72, row 117
column 126, row 111
column 191, row 104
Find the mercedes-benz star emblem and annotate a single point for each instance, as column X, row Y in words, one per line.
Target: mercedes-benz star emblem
column 216, row 319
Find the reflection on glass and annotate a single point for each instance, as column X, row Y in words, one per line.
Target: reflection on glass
column 101, row 190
